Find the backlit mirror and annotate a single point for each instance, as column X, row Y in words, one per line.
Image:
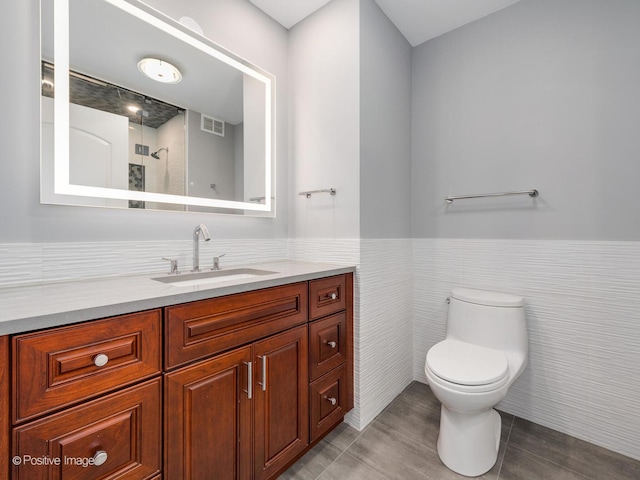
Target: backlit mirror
column 139, row 112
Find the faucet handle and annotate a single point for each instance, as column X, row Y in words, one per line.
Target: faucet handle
column 216, row 262
column 174, row 266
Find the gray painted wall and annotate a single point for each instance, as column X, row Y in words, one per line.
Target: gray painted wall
column 385, row 126
column 211, row 160
column 325, row 147
column 260, row 40
column 543, row 94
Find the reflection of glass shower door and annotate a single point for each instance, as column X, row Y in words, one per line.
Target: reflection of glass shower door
column 136, row 183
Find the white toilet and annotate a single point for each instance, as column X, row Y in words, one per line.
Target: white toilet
column 470, row 371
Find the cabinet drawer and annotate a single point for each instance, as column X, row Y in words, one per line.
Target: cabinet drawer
column 198, row 329
column 327, row 344
column 123, row 430
column 326, row 296
column 328, row 397
column 56, row 368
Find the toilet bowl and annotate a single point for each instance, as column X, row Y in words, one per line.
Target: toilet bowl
column 484, row 352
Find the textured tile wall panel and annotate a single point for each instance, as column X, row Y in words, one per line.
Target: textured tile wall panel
column 20, row 263
column 339, row 251
column 385, row 323
column 583, row 314
column 54, row 262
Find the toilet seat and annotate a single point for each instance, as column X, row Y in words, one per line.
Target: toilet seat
column 467, row 367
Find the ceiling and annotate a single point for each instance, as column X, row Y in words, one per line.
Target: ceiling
column 418, row 20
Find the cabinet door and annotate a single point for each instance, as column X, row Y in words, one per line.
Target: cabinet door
column 115, row 437
column 281, row 406
column 208, row 419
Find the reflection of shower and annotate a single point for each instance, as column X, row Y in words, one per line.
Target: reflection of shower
column 156, row 153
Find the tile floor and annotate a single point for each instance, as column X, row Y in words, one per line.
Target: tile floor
column 401, row 445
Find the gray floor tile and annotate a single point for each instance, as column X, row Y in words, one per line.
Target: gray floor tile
column 421, row 394
column 342, row 436
column 589, row 460
column 413, row 420
column 402, row 444
column 314, row 462
column 396, row 456
column 520, row 465
column 348, row 467
column 422, row 423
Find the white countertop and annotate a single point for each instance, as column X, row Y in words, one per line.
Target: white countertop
column 26, row 308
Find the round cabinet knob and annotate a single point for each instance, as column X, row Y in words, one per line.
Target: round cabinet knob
column 333, row 296
column 332, row 344
column 100, row 458
column 332, row 400
column 100, row 360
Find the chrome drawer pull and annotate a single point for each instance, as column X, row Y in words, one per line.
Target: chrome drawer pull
column 100, row 360
column 332, row 344
column 100, row 458
column 332, row 400
column 249, row 389
column 264, row 373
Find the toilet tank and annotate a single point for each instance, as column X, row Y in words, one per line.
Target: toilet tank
column 491, row 319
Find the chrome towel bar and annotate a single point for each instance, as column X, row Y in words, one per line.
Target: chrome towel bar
column 532, row 193
column 330, row 191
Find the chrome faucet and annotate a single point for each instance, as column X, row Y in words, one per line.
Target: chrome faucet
column 196, row 246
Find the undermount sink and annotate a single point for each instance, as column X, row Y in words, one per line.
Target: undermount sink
column 212, row 276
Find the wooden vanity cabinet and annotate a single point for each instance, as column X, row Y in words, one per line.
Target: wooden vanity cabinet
column 330, row 352
column 89, row 392
column 236, row 387
column 250, row 412
column 252, row 399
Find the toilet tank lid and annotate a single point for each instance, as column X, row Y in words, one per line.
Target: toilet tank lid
column 485, row 297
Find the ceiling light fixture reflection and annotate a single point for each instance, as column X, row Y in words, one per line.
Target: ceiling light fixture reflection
column 159, row 70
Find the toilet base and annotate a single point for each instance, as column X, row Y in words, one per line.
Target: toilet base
column 468, row 443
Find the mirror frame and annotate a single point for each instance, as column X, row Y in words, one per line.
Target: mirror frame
column 61, row 181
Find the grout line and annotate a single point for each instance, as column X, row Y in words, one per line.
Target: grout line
column 506, row 447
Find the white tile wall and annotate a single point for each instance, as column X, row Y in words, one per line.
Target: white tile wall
column 583, row 313
column 52, row 262
column 384, row 332
column 582, row 304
